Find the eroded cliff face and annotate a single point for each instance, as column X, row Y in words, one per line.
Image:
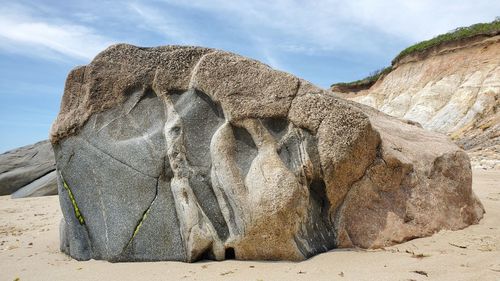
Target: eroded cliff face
column 453, row 89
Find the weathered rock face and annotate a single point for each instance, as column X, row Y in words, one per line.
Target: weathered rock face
column 183, row 153
column 28, row 171
column 455, row 89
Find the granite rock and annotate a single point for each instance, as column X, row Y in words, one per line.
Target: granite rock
column 28, row 171
column 188, row 153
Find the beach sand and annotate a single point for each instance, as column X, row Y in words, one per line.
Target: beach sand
column 29, row 250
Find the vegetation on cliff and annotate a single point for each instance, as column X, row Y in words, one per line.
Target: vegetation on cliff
column 361, row 84
column 461, row 33
column 488, row 29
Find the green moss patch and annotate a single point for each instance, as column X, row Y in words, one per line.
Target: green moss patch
column 78, row 214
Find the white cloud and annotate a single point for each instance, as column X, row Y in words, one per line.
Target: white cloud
column 419, row 20
column 164, row 23
column 269, row 27
column 23, row 32
column 373, row 28
column 328, row 25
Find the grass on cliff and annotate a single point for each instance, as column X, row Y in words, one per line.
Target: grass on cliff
column 365, row 82
column 460, row 33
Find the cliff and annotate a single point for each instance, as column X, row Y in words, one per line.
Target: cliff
column 452, row 88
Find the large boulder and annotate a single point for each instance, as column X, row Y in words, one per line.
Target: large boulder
column 186, row 153
column 28, row 171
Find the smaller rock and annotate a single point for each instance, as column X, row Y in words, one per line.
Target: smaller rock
column 46, row 185
column 28, row 171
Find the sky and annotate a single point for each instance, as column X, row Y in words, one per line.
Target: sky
column 323, row 41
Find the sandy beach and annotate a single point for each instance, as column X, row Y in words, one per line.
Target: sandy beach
column 29, row 250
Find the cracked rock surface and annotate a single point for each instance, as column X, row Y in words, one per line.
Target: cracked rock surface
column 188, row 153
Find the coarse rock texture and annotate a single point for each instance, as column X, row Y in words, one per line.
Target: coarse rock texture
column 185, row 153
column 28, row 171
column 452, row 89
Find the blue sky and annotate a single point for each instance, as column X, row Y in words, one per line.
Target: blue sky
column 321, row 41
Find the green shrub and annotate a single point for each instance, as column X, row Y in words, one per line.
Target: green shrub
column 488, row 29
column 367, row 81
column 491, row 28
